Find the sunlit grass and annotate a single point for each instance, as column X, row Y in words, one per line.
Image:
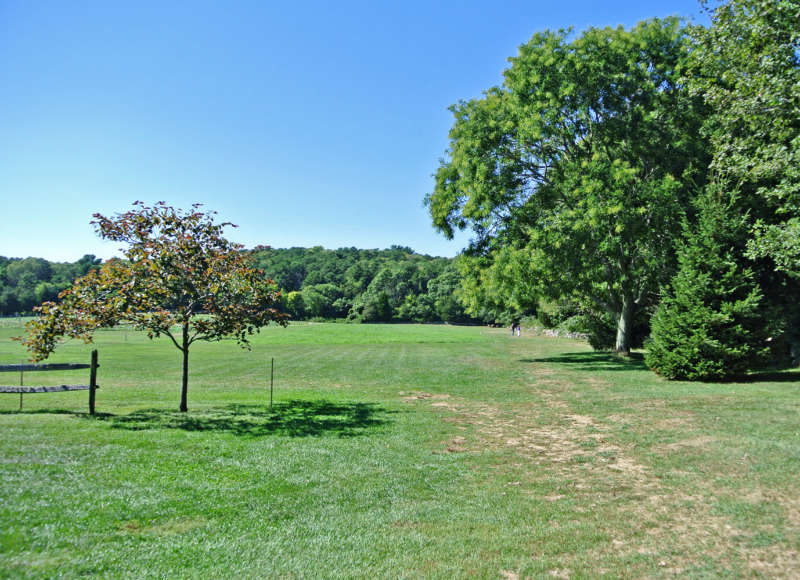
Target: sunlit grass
column 394, row 451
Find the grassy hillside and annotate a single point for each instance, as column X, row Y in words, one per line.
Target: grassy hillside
column 395, row 451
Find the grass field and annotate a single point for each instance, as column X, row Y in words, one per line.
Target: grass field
column 395, row 451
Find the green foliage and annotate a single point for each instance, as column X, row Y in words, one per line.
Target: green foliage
column 296, row 305
column 376, row 308
column 499, row 286
column 712, row 323
column 576, row 173
column 18, row 271
column 26, row 283
column 746, row 66
column 555, row 313
column 395, row 284
column 315, row 283
column 321, row 301
column 445, row 292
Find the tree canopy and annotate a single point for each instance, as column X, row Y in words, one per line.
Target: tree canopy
column 578, row 170
column 746, row 66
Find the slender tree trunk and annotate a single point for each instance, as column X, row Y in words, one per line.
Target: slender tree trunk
column 625, row 326
column 185, row 379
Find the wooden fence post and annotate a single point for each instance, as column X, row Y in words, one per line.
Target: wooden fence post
column 92, row 381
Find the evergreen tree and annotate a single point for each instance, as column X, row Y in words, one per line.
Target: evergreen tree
column 711, row 324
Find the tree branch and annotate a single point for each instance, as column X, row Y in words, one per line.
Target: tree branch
column 172, row 338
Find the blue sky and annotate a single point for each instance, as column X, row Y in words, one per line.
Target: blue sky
column 305, row 123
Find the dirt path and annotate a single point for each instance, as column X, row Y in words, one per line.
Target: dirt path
column 661, row 519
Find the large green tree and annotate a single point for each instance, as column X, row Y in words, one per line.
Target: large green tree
column 582, row 162
column 746, row 65
column 180, row 278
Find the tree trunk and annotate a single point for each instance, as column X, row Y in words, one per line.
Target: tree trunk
column 625, row 327
column 185, row 379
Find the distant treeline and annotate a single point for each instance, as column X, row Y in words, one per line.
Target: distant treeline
column 395, row 284
column 26, row 283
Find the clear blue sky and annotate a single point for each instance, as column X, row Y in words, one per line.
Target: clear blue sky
column 306, row 123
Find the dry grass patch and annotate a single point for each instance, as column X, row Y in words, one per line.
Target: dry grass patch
column 700, row 442
column 649, row 522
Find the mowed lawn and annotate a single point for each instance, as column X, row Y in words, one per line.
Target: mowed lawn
column 395, row 451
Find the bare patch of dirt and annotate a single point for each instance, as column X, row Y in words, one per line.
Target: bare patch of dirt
column 618, row 418
column 791, row 510
column 412, row 396
column 581, row 420
column 695, row 442
column 456, row 445
column 595, row 383
column 168, row 528
column 649, row 405
column 179, row 526
column 774, row 562
column 626, row 465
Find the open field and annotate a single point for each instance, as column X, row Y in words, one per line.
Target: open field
column 395, row 451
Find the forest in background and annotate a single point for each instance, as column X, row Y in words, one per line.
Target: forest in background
column 27, row 282
column 395, row 284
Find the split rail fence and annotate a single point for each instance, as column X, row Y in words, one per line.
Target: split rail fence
column 22, row 389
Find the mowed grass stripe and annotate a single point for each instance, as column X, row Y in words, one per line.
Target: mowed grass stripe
column 396, row 451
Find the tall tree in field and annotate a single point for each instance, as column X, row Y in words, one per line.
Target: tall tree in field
column 582, row 163
column 180, row 278
column 746, row 65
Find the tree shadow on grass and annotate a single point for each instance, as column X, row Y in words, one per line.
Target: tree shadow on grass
column 595, row 361
column 772, row 376
column 608, row 361
column 36, row 412
column 50, row 411
column 289, row 419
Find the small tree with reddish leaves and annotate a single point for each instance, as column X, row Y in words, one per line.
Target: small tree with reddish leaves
column 179, row 278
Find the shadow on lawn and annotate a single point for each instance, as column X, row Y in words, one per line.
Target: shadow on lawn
column 290, row 418
column 776, row 376
column 606, row 361
column 36, row 412
column 595, row 361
